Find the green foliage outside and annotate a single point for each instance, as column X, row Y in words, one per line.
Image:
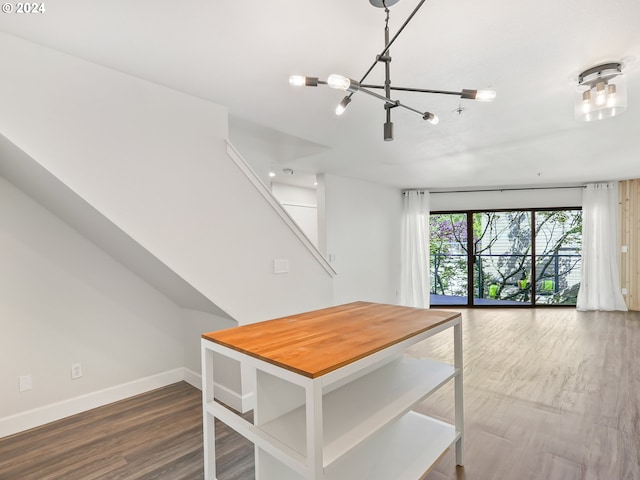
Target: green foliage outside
column 502, row 250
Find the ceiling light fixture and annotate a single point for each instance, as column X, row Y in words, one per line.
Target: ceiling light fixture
column 349, row 85
column 601, row 92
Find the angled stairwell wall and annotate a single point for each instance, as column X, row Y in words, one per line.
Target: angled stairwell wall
column 154, row 162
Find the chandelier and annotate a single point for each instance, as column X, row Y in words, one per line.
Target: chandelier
column 601, row 92
column 346, row 84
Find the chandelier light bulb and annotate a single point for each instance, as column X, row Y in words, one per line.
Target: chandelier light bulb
column 586, row 101
column 302, row 81
column 611, row 96
column 432, row 118
column 297, row 80
column 338, row 82
column 600, row 93
column 479, row 95
column 342, row 106
column 486, row 95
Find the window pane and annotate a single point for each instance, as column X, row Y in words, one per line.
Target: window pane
column 448, row 258
column 502, row 262
column 558, row 256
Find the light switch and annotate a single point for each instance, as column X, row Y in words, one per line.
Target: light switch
column 281, row 265
column 25, row 382
column 624, row 249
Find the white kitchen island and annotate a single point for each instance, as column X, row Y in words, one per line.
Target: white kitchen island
column 334, row 393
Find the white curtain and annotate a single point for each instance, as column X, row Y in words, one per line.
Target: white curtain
column 414, row 270
column 600, row 285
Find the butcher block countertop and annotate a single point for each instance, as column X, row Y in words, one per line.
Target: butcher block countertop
column 316, row 343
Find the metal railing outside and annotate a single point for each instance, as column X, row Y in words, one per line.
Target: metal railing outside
column 507, row 276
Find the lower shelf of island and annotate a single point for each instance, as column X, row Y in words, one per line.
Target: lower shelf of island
column 358, row 409
column 402, row 450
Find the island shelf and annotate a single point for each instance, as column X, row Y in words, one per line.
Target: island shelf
column 334, row 393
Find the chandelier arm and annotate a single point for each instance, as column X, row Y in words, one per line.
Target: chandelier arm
column 408, row 89
column 388, row 45
column 378, row 96
column 422, row 114
column 390, row 102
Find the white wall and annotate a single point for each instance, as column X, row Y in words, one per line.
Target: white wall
column 302, row 204
column 256, row 152
column 360, row 235
column 62, row 301
column 541, row 198
column 154, row 162
column 195, row 324
column 227, row 372
column 292, row 194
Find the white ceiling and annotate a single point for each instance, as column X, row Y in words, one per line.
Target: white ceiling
column 241, row 53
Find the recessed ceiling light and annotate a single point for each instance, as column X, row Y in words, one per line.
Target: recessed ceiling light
column 272, row 174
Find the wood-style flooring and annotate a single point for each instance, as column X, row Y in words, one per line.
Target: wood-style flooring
column 156, row 435
column 550, row 394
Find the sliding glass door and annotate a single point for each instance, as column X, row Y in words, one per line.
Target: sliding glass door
column 505, row 258
column 502, row 258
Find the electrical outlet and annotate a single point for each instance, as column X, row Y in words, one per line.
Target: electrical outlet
column 76, row 371
column 25, row 383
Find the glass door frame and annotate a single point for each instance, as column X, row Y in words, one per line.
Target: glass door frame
column 471, row 256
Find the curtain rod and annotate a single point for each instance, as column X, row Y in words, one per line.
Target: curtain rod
column 420, row 190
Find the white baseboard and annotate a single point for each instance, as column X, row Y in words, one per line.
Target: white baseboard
column 192, row 378
column 235, row 400
column 55, row 411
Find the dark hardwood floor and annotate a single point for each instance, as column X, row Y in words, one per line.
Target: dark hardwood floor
column 550, row 394
column 156, row 435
